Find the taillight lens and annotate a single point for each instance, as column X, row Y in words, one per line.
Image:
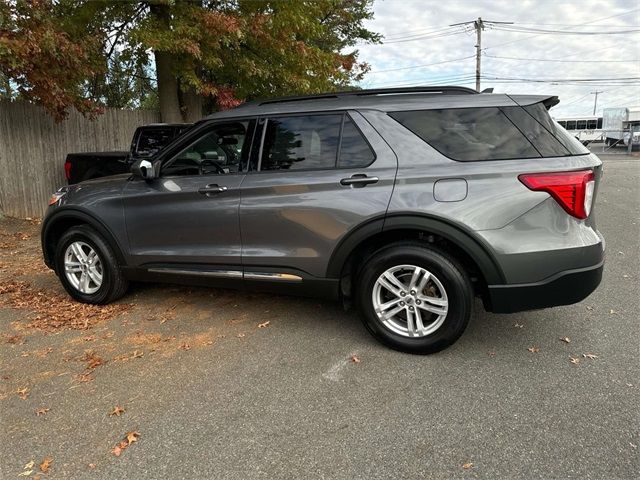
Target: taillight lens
column 572, row 190
column 67, row 170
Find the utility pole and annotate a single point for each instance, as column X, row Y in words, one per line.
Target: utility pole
column 478, row 25
column 595, row 101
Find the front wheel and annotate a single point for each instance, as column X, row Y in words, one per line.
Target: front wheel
column 87, row 267
column 414, row 298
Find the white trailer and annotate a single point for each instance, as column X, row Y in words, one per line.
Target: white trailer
column 621, row 125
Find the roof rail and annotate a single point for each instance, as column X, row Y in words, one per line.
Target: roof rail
column 446, row 90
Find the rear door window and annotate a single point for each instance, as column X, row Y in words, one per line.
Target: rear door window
column 305, row 142
column 468, row 134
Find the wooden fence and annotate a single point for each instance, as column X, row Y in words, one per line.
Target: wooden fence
column 33, row 149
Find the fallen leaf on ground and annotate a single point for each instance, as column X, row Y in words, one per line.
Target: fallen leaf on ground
column 92, row 465
column 590, row 356
column 264, row 325
column 118, row 449
column 589, row 307
column 534, row 349
column 467, row 466
column 354, row 358
column 46, row 464
column 565, row 339
column 185, row 346
column 29, row 465
column 26, row 473
column 84, row 377
column 574, row 360
column 518, row 325
column 93, row 360
column 14, row 339
column 117, row 411
column 613, row 312
column 492, row 354
column 132, row 437
column 137, row 354
column 41, row 411
column 23, row 393
column 241, row 335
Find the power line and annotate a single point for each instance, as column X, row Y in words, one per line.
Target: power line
column 560, row 60
column 578, row 25
column 422, row 66
column 517, row 29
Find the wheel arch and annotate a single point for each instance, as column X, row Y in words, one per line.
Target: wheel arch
column 59, row 222
column 395, row 227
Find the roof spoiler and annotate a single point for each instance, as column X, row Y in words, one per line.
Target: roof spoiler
column 551, row 102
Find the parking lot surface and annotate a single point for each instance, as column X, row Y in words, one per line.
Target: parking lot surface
column 221, row 384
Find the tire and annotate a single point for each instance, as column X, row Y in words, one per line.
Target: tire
column 112, row 286
column 447, row 283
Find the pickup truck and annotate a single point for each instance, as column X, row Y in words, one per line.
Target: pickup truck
column 147, row 141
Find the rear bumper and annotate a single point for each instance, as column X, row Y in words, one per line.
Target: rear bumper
column 564, row 288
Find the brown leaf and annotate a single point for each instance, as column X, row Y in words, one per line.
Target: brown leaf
column 565, row 339
column 534, row 349
column 93, row 360
column 132, row 437
column 354, row 358
column 117, row 411
column 185, row 346
column 241, row 335
column 137, row 354
column 92, row 465
column 23, row 393
column 46, row 464
column 84, row 377
column 467, row 466
column 574, row 360
column 264, row 325
column 41, row 411
column 117, row 450
column 590, row 356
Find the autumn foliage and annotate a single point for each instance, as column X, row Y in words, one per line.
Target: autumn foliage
column 213, row 54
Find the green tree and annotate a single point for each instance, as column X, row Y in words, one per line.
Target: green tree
column 212, row 53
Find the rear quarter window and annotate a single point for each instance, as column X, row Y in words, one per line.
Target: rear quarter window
column 491, row 133
column 468, row 134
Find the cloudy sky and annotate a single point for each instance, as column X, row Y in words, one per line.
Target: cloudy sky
column 531, row 57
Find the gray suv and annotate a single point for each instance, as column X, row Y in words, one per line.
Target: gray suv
column 406, row 202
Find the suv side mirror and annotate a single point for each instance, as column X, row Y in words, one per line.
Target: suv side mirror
column 143, row 168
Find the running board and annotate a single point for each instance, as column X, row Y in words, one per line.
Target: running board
column 237, row 274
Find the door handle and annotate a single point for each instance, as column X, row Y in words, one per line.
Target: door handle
column 358, row 180
column 212, row 189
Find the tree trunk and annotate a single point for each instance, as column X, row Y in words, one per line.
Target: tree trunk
column 167, row 89
column 192, row 104
column 167, row 82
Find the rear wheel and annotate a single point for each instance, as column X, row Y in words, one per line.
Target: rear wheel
column 414, row 298
column 88, row 268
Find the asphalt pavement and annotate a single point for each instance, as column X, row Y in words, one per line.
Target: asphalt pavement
column 215, row 391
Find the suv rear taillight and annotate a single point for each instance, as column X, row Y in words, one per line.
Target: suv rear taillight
column 572, row 190
column 67, row 169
